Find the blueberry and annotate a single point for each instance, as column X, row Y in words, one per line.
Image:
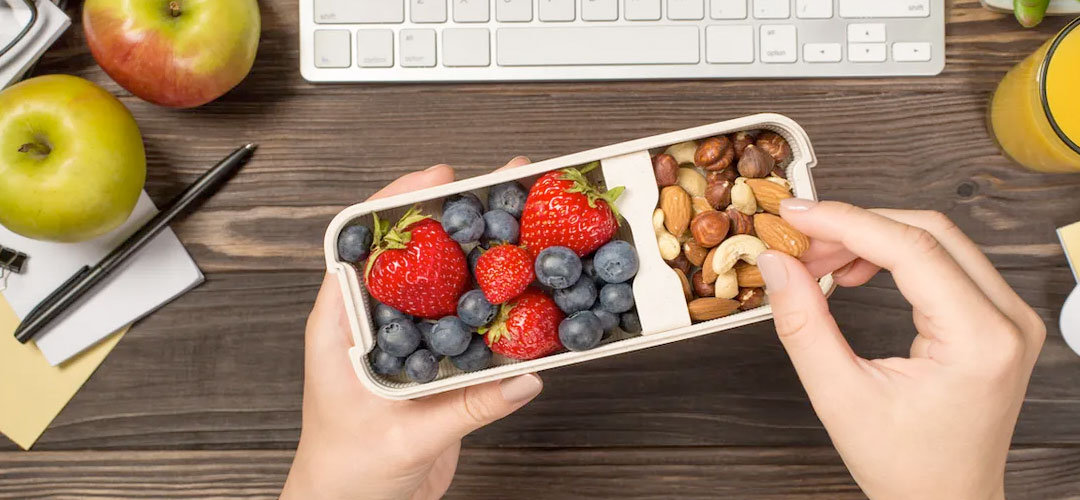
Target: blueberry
column 385, row 314
column 463, row 224
column 557, row 267
column 354, row 243
column 425, row 333
column 617, row 297
column 466, row 199
column 399, row 337
column 421, row 366
column 608, row 320
column 580, row 332
column 386, row 364
column 474, row 309
column 450, row 336
column 579, row 297
column 509, row 196
column 588, row 269
column 476, row 357
column 474, row 255
column 629, row 322
column 616, row 262
column 500, row 226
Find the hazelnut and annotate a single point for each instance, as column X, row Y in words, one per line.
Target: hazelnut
column 718, row 194
column 701, row 288
column 666, row 170
column 740, row 141
column 740, row 223
column 728, row 174
column 714, row 153
column 694, row 252
column 775, row 145
column 750, row 298
column 780, row 172
column 710, row 228
column 755, row 163
column 680, row 262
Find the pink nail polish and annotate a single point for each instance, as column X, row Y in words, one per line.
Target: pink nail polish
column 773, row 271
column 798, row 204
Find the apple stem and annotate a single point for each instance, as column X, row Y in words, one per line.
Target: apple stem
column 174, row 9
column 35, row 148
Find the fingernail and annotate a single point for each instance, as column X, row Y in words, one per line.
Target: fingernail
column 797, row 204
column 843, row 269
column 773, row 271
column 524, row 159
column 429, row 169
column 520, row 389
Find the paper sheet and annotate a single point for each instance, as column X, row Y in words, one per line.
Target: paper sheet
column 32, row 392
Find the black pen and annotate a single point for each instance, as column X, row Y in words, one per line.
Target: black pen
column 88, row 277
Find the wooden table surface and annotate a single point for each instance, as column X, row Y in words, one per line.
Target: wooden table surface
column 202, row 399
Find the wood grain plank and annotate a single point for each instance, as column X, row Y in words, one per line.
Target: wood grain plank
column 655, row 473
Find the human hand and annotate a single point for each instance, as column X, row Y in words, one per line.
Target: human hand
column 937, row 424
column 354, row 444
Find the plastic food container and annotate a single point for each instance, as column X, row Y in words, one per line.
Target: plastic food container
column 657, row 290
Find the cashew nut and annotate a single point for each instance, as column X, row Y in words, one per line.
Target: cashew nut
column 692, row 182
column 742, row 198
column 683, row 152
column 658, row 221
column 699, row 205
column 669, row 245
column 727, row 285
column 739, row 247
column 779, row 181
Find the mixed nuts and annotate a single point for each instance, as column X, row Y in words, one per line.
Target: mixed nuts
column 719, row 209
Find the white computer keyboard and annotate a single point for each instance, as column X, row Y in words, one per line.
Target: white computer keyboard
column 473, row 40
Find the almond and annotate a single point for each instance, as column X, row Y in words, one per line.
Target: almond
column 711, row 308
column 687, row 293
column 707, row 273
column 749, row 276
column 779, row 235
column 695, row 253
column 675, row 203
column 768, row 194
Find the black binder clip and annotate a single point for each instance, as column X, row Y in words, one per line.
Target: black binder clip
column 11, row 262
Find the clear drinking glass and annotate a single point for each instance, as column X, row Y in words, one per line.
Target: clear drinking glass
column 17, row 17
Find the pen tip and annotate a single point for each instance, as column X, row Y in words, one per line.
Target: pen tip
column 251, row 146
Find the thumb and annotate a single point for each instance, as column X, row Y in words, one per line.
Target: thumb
column 450, row 416
column 822, row 357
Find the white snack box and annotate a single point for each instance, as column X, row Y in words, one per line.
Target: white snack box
column 657, row 291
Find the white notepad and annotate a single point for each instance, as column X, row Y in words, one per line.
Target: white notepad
column 50, row 24
column 157, row 274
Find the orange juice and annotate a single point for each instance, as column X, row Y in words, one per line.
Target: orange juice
column 1035, row 112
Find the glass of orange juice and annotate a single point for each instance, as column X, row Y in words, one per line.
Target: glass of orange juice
column 1035, row 112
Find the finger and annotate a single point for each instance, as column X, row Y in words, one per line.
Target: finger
column 824, row 257
column 517, row 161
column 450, row 416
column 821, row 355
column 924, row 272
column 973, row 262
column 856, row 273
column 433, row 176
column 328, row 324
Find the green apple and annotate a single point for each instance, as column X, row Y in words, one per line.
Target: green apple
column 72, row 162
column 176, row 53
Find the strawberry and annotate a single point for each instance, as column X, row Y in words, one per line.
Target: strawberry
column 527, row 327
column 503, row 272
column 415, row 267
column 564, row 209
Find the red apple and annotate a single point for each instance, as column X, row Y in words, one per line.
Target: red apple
column 176, row 53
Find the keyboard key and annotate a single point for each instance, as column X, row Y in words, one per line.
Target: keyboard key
column 332, row 49
column 685, row 10
column 359, row 11
column 866, row 52
column 884, row 8
column 427, row 11
column 597, row 45
column 729, row 44
column 418, row 48
column 513, row 11
column 772, row 9
column 600, row 10
column 865, row 33
column 463, row 47
column 470, row 11
column 556, row 10
column 779, row 44
column 821, row 52
column 911, row 51
column 375, row 48
column 642, row 10
column 813, row 9
column 727, row 9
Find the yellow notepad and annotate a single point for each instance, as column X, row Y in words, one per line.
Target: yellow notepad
column 1070, row 239
column 32, row 393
